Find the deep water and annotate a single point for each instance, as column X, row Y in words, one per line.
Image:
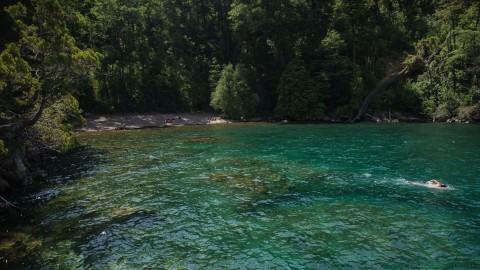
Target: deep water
column 255, row 196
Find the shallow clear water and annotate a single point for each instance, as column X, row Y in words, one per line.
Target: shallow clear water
column 255, row 196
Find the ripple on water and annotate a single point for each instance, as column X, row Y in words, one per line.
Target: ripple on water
column 256, row 197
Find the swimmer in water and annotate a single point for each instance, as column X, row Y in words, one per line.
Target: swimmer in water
column 436, row 183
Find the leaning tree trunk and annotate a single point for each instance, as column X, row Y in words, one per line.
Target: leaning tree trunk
column 13, row 169
column 391, row 79
column 20, row 168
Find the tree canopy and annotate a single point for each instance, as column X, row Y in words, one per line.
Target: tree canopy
column 232, row 95
column 38, row 75
column 299, row 96
column 159, row 55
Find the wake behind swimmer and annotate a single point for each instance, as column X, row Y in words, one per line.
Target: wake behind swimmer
column 431, row 184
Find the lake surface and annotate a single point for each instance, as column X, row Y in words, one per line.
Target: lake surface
column 255, row 196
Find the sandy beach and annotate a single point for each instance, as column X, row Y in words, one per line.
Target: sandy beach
column 97, row 122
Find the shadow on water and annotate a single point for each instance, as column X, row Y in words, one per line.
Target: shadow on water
column 62, row 170
column 26, row 240
column 110, row 244
column 89, row 247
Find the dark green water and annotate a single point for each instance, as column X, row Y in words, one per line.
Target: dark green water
column 256, row 196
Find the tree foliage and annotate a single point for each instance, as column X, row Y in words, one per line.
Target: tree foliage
column 299, row 96
column 159, row 55
column 233, row 96
column 452, row 61
column 38, row 72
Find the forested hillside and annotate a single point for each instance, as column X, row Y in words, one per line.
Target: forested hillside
column 288, row 59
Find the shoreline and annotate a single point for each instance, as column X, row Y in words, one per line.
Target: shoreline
column 130, row 121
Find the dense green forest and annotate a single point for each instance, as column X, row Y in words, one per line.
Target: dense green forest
column 285, row 59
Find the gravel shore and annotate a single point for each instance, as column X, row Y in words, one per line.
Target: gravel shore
column 148, row 120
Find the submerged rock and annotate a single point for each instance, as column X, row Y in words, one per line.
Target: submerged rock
column 19, row 245
column 261, row 182
column 193, row 139
column 240, row 180
column 122, row 211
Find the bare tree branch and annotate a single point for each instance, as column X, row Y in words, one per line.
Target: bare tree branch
column 8, row 205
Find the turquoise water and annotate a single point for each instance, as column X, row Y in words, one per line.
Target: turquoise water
column 255, row 196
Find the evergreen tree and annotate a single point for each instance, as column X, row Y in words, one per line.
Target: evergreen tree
column 37, row 72
column 299, row 96
column 233, row 96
